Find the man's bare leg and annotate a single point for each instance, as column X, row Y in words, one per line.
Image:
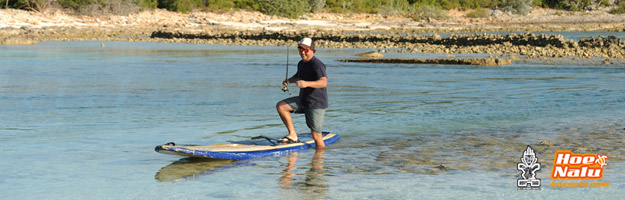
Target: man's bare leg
column 284, row 110
column 318, row 137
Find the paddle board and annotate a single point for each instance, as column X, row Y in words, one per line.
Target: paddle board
column 256, row 147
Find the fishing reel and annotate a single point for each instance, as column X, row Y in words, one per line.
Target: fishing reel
column 285, row 85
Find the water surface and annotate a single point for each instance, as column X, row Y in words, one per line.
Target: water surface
column 81, row 121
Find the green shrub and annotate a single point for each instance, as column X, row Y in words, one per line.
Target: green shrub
column 102, row 7
column 456, row 4
column 429, row 12
column 576, row 5
column 478, row 13
column 115, row 7
column 368, row 6
column 340, row 6
column 522, row 7
column 226, row 5
column 620, row 9
column 316, row 5
column 449, row 4
column 246, row 4
column 539, row 3
column 34, row 5
column 219, row 4
column 362, row 6
column 183, row 6
column 75, row 4
column 389, row 11
column 285, row 8
column 147, row 4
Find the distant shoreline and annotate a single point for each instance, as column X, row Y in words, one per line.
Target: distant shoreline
column 23, row 27
column 149, row 21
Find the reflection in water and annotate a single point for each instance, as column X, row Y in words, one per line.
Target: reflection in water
column 285, row 180
column 190, row 168
column 314, row 185
column 315, row 180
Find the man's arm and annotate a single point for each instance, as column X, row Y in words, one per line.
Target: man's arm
column 293, row 79
column 321, row 83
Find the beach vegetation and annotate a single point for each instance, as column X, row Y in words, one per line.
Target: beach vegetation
column 456, row 4
column 418, row 9
column 146, row 4
column 352, row 6
column 226, row 5
column 100, row 7
column 316, row 5
column 186, row 6
column 478, row 13
column 576, row 5
column 369, row 6
column 522, row 7
column 285, row 8
column 33, row 5
column 429, row 12
column 75, row 4
column 620, row 9
column 183, row 6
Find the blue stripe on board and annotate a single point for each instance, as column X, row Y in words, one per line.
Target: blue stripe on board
column 236, row 155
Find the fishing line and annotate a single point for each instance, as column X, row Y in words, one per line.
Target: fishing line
column 286, row 77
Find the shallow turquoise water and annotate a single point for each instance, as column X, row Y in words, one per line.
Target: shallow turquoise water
column 81, row 121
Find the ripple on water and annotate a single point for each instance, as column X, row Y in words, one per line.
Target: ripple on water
column 485, row 150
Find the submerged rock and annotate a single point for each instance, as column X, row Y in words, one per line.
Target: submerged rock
column 545, row 143
column 17, row 41
column 456, row 61
column 442, row 167
column 370, row 54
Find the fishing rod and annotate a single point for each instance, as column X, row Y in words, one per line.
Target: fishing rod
column 285, row 88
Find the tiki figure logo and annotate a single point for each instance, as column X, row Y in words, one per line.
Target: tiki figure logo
column 528, row 166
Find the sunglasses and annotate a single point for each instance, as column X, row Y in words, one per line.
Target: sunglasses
column 303, row 50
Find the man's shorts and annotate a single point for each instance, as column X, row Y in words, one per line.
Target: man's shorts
column 314, row 117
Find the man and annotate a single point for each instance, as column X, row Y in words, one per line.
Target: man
column 312, row 80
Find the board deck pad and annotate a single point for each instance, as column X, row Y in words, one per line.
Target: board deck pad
column 245, row 149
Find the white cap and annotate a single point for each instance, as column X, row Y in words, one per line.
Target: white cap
column 307, row 43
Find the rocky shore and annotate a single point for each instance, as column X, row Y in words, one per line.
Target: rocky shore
column 528, row 44
column 377, row 32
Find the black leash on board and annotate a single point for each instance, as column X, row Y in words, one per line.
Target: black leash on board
column 266, row 138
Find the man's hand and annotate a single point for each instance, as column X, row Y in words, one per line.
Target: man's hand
column 302, row 84
column 321, row 83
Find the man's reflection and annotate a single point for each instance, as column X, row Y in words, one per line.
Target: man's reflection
column 314, row 184
column 285, row 180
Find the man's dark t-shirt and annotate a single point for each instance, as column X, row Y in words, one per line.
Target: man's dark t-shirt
column 313, row 70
